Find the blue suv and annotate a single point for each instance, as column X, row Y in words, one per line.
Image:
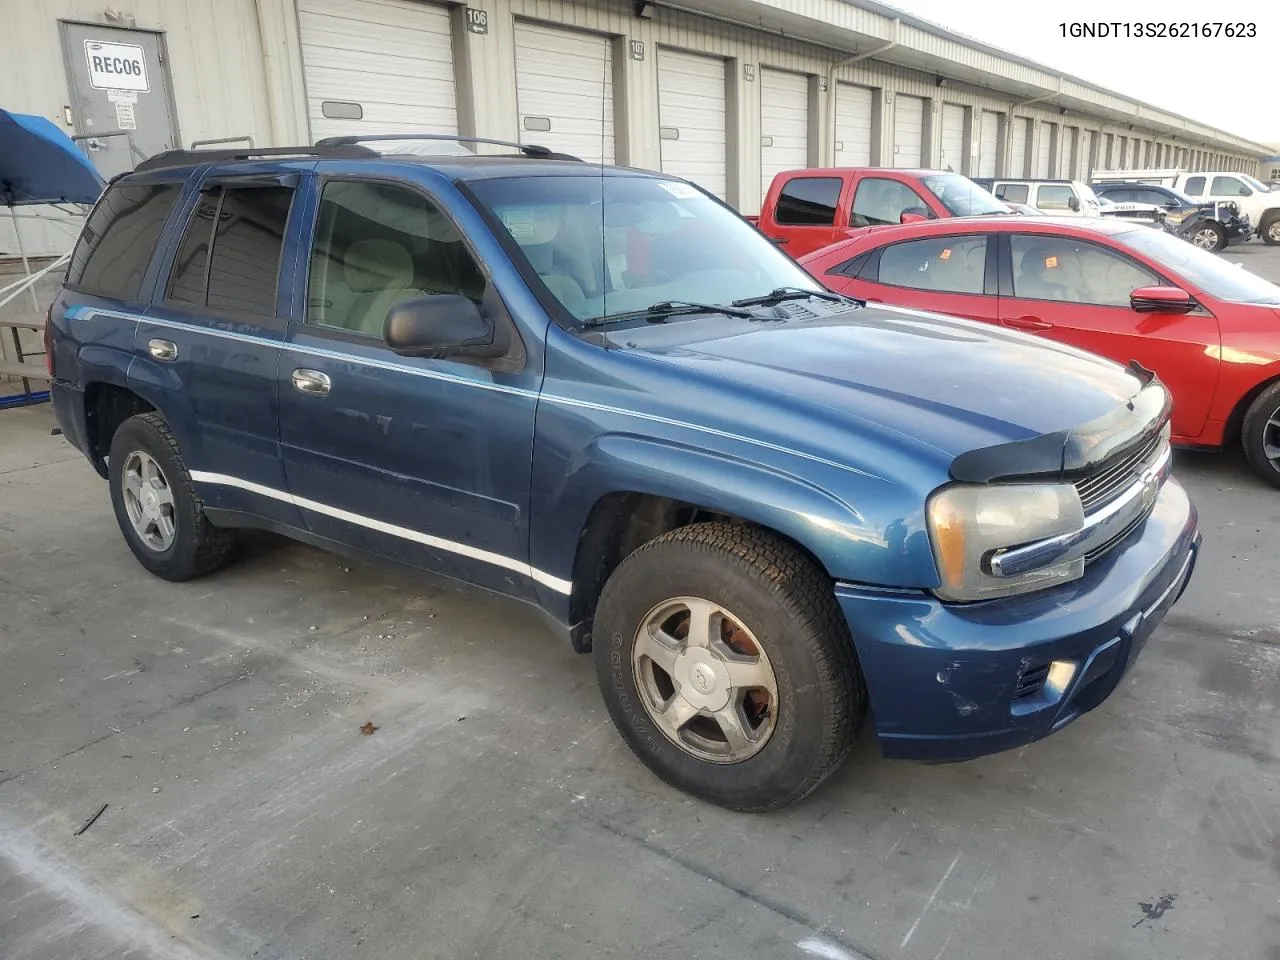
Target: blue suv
column 768, row 510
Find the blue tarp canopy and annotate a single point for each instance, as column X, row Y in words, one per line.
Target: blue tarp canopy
column 40, row 164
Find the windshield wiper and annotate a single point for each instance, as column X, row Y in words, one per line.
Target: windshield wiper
column 790, row 293
column 660, row 312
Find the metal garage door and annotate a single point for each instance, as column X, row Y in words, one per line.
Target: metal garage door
column 377, row 66
column 1018, row 153
column 853, row 125
column 988, row 143
column 908, row 131
column 1085, row 168
column 784, row 124
column 1044, row 148
column 691, row 95
column 953, row 138
column 564, row 90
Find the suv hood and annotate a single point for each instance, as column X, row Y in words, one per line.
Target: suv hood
column 952, row 385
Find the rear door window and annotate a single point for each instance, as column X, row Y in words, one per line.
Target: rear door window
column 119, row 238
column 942, row 264
column 1013, row 192
column 809, row 202
column 229, row 257
column 879, row 201
column 1195, row 187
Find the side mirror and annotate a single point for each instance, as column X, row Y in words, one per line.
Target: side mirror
column 1074, row 204
column 443, row 325
column 910, row 216
column 1161, row 300
column 1171, row 204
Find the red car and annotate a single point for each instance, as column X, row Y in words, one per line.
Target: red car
column 1210, row 330
column 806, row 210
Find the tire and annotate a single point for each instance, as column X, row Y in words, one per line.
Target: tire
column 1260, row 435
column 773, row 600
column 1269, row 231
column 167, row 503
column 1209, row 236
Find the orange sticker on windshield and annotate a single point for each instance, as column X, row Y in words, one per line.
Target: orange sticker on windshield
column 1050, row 262
column 945, row 254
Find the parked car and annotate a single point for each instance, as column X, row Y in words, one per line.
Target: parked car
column 1055, row 197
column 1209, row 226
column 1210, row 330
column 806, row 210
column 1252, row 198
column 764, row 506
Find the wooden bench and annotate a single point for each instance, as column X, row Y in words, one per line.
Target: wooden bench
column 23, row 371
column 13, row 324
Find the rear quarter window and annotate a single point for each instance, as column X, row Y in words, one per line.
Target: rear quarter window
column 119, row 238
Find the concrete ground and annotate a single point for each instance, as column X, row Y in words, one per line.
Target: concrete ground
column 495, row 813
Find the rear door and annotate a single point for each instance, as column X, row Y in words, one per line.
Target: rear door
column 1077, row 292
column 942, row 274
column 422, row 461
column 805, row 212
column 211, row 340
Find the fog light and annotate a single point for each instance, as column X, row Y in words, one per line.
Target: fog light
column 1060, row 674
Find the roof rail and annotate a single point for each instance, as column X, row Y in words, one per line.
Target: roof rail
column 1120, row 176
column 528, row 149
column 191, row 158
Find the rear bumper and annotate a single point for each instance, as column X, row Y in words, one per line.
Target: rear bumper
column 68, row 409
column 951, row 682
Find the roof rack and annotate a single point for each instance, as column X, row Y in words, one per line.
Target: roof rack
column 189, row 158
column 528, row 149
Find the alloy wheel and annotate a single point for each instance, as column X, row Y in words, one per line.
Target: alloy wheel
column 148, row 500
column 705, row 680
column 1205, row 239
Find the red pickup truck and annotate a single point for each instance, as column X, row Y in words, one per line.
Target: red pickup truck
column 806, row 210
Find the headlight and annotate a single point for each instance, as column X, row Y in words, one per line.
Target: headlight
column 969, row 524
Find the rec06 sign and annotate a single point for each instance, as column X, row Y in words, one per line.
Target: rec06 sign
column 116, row 66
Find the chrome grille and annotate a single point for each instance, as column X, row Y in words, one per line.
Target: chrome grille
column 1099, row 488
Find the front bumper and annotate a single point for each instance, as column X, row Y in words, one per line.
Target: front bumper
column 951, row 682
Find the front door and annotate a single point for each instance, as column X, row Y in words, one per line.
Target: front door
column 119, row 81
column 1077, row 292
column 423, row 461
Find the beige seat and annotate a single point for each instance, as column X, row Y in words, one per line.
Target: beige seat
column 379, row 274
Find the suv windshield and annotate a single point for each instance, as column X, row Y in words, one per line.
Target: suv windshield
column 610, row 246
column 961, row 196
column 1210, row 273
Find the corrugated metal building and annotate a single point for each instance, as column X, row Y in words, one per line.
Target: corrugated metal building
column 724, row 92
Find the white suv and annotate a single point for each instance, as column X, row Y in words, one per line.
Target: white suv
column 1069, row 198
column 1254, row 198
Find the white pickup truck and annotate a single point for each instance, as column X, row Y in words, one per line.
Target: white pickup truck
column 1254, row 199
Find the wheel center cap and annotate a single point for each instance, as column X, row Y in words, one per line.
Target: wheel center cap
column 149, row 500
column 703, row 678
column 703, row 681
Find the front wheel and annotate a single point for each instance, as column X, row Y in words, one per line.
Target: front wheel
column 1209, row 236
column 1270, row 231
column 727, row 665
column 1260, row 435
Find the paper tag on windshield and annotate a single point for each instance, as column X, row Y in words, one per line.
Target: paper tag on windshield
column 1050, row 262
column 945, row 254
column 681, row 191
column 519, row 224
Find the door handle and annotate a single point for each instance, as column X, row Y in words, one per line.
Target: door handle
column 1027, row 323
column 780, row 241
column 311, row 381
column 165, row 350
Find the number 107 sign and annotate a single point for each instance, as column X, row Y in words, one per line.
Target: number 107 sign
column 116, row 66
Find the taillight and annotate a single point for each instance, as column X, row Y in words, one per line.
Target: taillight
column 48, row 340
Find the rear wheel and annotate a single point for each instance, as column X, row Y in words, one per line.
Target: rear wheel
column 727, row 665
column 157, row 506
column 1260, row 435
column 1209, row 236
